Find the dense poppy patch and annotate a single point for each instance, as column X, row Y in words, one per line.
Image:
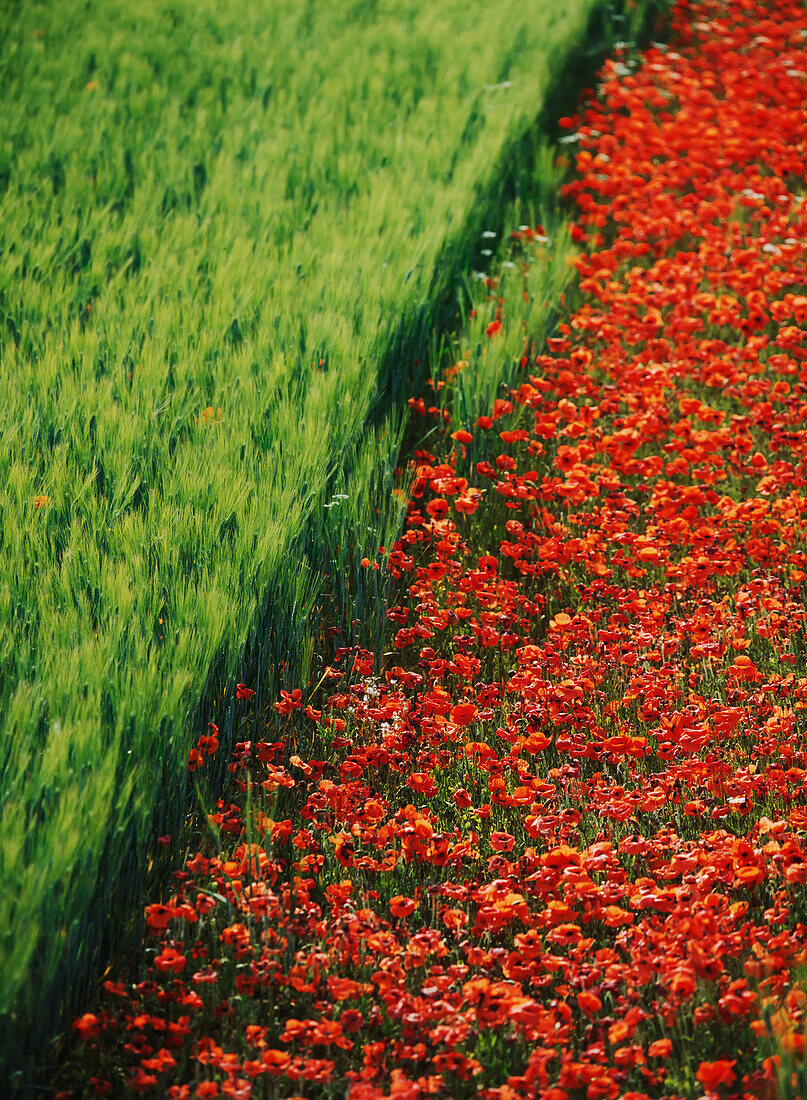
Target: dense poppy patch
column 557, row 846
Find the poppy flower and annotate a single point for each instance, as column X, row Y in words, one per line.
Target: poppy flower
column 589, row 1003
column 502, row 842
column 423, row 783
column 463, row 714
column 713, row 1074
column 158, row 917
column 401, row 906
column 275, row 1061
column 88, row 1026
column 170, row 961
column 660, row 1048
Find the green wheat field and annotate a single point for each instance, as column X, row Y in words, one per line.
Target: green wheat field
column 226, row 232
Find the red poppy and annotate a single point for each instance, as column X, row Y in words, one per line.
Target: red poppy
column 401, row 906
column 463, row 714
column 713, row 1074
